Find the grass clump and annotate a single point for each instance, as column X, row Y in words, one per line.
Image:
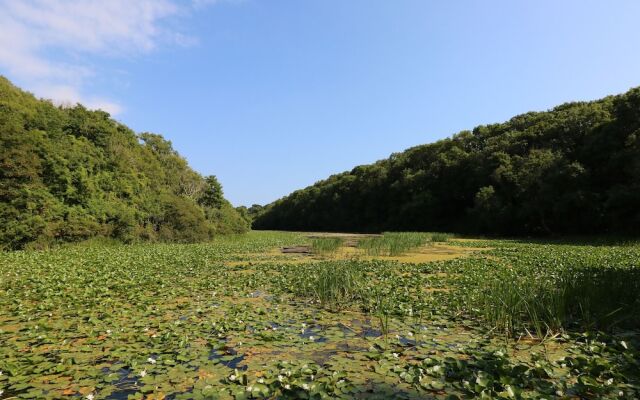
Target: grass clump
column 441, row 237
column 542, row 294
column 393, row 243
column 336, row 285
column 333, row 284
column 326, row 245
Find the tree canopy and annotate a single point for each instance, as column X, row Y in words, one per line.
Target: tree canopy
column 70, row 174
column 573, row 169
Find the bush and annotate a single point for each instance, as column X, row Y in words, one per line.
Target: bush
column 183, row 221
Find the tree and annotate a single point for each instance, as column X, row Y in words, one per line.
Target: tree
column 69, row 174
column 211, row 194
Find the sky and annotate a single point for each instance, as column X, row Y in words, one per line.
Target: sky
column 273, row 95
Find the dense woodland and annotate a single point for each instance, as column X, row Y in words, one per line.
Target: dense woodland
column 571, row 170
column 71, row 174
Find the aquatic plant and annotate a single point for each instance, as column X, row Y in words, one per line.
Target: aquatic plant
column 393, row 243
column 326, row 245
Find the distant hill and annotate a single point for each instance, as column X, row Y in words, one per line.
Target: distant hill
column 70, row 174
column 571, row 170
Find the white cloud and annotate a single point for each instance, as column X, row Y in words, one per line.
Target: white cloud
column 69, row 95
column 35, row 35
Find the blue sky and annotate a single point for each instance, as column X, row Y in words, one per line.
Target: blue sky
column 273, row 95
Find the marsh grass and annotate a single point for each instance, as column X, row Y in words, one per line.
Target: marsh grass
column 326, row 245
column 546, row 302
column 393, row 243
column 440, row 237
column 337, row 285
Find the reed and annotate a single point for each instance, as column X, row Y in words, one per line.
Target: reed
column 326, row 245
column 393, row 243
column 543, row 302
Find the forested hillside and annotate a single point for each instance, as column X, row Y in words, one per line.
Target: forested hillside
column 573, row 169
column 69, row 174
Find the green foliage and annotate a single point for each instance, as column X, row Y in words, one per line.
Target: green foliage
column 326, row 245
column 251, row 213
column 70, row 174
column 211, row 195
column 393, row 243
column 233, row 319
column 555, row 289
column 336, row 285
column 574, row 169
column 440, row 237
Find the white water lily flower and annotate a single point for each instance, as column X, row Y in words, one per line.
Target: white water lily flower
column 305, row 386
column 249, row 388
column 89, row 396
column 398, row 337
column 396, row 355
column 108, row 331
column 608, row 381
column 288, row 373
column 261, row 380
column 232, row 377
column 151, row 360
column 287, row 386
column 409, row 334
column 1, row 373
column 302, row 331
column 340, row 381
column 621, row 393
column 311, row 338
column 143, row 373
column 280, row 378
column 624, row 344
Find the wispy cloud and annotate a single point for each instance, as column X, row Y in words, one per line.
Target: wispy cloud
column 46, row 43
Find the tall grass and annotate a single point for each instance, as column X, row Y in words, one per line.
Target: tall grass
column 336, row 285
column 326, row 245
column 548, row 300
column 393, row 243
column 441, row 237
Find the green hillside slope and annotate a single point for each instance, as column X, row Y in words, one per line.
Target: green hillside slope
column 69, row 174
column 573, row 169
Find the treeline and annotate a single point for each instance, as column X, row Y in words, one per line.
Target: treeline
column 571, row 170
column 70, row 174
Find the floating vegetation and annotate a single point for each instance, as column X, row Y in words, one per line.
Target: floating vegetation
column 189, row 322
